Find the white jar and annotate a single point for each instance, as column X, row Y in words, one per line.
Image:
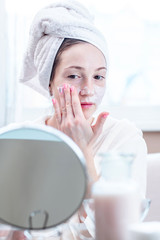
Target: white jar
column 117, row 202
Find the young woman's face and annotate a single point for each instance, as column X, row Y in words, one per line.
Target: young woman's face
column 84, row 67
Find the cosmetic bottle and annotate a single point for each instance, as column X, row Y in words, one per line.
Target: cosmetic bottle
column 116, row 197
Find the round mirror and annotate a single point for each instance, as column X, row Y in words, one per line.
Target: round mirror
column 42, row 177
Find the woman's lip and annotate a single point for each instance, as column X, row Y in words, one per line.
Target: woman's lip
column 86, row 104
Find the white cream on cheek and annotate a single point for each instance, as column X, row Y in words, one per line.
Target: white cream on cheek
column 92, row 96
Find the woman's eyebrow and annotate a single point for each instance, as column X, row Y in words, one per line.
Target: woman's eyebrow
column 101, row 68
column 76, row 67
column 81, row 68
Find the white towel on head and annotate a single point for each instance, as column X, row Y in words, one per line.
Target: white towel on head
column 64, row 19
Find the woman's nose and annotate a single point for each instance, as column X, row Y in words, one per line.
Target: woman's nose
column 87, row 89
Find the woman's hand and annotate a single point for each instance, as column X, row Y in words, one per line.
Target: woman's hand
column 70, row 119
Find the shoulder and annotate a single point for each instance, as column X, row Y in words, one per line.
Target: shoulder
column 28, row 123
column 121, row 126
column 14, row 125
column 42, row 120
column 121, row 135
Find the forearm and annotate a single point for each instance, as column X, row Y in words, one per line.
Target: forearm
column 91, row 171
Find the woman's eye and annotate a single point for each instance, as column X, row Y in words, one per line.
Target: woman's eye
column 99, row 77
column 73, row 76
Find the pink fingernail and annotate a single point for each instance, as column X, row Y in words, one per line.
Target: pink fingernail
column 72, row 88
column 61, row 90
column 53, row 101
column 65, row 86
column 105, row 115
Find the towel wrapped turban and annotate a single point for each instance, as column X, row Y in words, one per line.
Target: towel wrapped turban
column 51, row 25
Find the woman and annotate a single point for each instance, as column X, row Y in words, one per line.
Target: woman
column 66, row 59
column 78, row 84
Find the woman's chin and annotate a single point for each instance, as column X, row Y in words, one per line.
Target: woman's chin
column 88, row 114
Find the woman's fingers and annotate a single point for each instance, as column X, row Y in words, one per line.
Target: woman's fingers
column 76, row 106
column 62, row 103
column 97, row 128
column 68, row 104
column 57, row 111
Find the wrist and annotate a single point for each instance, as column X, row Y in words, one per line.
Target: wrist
column 89, row 157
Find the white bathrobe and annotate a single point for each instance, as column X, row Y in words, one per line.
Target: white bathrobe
column 124, row 137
